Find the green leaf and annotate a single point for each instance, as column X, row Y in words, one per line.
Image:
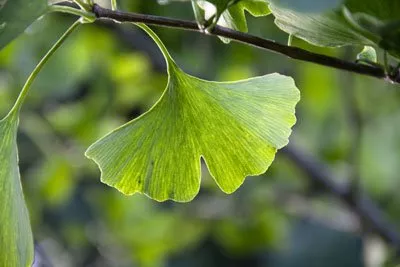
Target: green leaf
column 219, row 5
column 308, row 6
column 234, row 17
column 16, row 241
column 368, row 55
column 236, row 127
column 369, row 22
column 327, row 29
column 16, row 16
column 382, row 9
column 231, row 14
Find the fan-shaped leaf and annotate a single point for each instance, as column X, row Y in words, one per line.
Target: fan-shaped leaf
column 236, row 127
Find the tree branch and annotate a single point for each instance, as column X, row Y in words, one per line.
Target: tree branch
column 292, row 52
column 358, row 202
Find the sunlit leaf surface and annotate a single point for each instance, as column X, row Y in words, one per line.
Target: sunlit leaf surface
column 236, row 127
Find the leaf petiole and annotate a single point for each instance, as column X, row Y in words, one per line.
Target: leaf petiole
column 87, row 16
column 290, row 40
column 24, row 92
column 386, row 62
column 170, row 62
column 114, row 5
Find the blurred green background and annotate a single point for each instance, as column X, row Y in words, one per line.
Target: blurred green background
column 108, row 74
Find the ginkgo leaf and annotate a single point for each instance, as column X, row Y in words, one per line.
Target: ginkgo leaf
column 230, row 13
column 367, row 55
column 323, row 29
column 218, row 6
column 16, row 241
column 236, row 127
column 369, row 22
column 235, row 18
column 308, row 6
column 16, row 16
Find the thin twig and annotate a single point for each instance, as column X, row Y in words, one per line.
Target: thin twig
column 292, row 52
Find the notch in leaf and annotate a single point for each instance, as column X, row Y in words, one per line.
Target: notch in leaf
column 236, row 127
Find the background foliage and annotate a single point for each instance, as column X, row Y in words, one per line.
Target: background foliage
column 106, row 75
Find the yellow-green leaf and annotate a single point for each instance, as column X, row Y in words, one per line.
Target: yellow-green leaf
column 16, row 241
column 235, row 18
column 235, row 127
column 368, row 55
column 229, row 13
